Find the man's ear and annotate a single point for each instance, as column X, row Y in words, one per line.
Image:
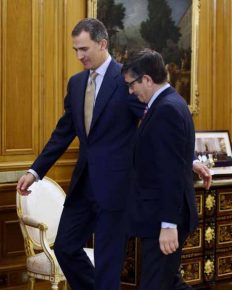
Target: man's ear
column 148, row 79
column 103, row 44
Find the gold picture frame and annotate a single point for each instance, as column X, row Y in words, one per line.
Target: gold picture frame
column 188, row 83
column 92, row 8
column 213, row 148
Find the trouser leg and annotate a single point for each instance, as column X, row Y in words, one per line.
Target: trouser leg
column 76, row 226
column 110, row 242
column 179, row 284
column 159, row 271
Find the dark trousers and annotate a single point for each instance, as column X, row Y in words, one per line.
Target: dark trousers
column 159, row 271
column 79, row 220
column 77, row 224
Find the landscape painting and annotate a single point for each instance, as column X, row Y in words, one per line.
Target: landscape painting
column 167, row 26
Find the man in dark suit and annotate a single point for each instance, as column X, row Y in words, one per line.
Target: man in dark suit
column 164, row 210
column 99, row 186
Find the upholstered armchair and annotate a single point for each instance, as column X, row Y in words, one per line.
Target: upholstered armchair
column 39, row 214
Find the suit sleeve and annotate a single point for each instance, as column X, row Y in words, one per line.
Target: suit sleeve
column 169, row 142
column 62, row 136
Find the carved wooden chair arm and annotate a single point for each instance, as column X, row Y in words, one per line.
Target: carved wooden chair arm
column 28, row 221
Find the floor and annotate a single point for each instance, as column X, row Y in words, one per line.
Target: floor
column 46, row 286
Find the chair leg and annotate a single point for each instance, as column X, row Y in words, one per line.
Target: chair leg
column 31, row 283
column 65, row 285
column 55, row 286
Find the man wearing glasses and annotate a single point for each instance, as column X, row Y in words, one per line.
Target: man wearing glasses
column 163, row 210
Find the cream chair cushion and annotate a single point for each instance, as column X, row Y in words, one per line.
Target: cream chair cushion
column 90, row 254
column 40, row 263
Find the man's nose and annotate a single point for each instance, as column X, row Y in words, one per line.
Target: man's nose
column 79, row 55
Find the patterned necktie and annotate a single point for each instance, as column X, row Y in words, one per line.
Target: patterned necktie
column 144, row 115
column 145, row 112
column 89, row 101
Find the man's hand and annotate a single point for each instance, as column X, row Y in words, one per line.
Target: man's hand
column 24, row 182
column 168, row 240
column 204, row 173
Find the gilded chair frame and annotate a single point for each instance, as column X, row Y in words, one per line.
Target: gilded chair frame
column 31, row 246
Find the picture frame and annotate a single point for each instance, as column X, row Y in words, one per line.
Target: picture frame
column 214, row 149
column 124, row 23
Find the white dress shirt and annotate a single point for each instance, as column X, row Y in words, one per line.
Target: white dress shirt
column 157, row 93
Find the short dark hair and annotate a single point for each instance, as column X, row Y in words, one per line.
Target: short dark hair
column 146, row 62
column 95, row 27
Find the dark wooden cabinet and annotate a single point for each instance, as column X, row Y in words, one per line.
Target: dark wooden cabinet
column 12, row 255
column 207, row 253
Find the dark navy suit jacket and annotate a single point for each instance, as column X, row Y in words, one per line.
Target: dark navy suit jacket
column 163, row 159
column 107, row 150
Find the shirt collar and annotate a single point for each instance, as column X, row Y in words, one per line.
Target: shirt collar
column 157, row 93
column 101, row 70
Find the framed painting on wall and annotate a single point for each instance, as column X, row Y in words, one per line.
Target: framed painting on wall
column 171, row 27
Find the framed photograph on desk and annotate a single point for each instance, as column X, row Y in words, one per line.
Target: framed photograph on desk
column 214, row 148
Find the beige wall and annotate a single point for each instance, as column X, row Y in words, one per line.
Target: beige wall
column 215, row 67
column 37, row 59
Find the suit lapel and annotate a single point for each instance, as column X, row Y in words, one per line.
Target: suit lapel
column 105, row 93
column 79, row 100
column 153, row 107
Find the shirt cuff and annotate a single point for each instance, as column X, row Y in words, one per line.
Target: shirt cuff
column 165, row 225
column 34, row 173
column 196, row 161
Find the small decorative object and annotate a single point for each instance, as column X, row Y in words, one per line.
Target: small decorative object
column 182, row 271
column 210, row 202
column 209, row 234
column 209, row 267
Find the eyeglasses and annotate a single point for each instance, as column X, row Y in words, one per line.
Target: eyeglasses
column 131, row 83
